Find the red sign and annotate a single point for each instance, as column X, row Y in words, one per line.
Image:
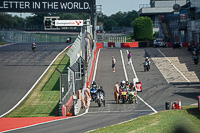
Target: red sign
column 138, row 86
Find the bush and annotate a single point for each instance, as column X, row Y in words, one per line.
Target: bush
column 143, row 29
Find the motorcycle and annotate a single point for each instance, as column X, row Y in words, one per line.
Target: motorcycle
column 146, row 66
column 132, row 98
column 176, row 45
column 123, row 95
column 195, row 58
column 34, row 48
column 93, row 93
column 68, row 40
column 100, row 99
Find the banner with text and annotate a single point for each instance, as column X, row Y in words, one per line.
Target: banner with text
column 68, row 6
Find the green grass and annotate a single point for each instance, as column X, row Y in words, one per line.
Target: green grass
column 171, row 121
column 43, row 100
column 128, row 38
column 3, row 43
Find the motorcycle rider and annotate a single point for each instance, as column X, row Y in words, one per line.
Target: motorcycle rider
column 195, row 57
column 93, row 88
column 132, row 88
column 33, row 47
column 94, row 84
column 148, row 61
column 68, row 40
column 100, row 89
column 127, row 84
column 122, row 84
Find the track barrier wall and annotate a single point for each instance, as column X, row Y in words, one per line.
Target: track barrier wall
column 121, row 45
column 92, row 61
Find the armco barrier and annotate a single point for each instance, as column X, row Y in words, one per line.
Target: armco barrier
column 66, row 107
column 121, row 45
column 130, row 45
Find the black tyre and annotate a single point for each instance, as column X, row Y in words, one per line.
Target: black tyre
column 145, row 68
column 104, row 103
column 92, row 97
column 130, row 99
column 195, row 62
column 123, row 100
column 99, row 103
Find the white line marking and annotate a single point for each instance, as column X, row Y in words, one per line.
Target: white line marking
column 97, row 59
column 147, row 104
column 33, row 85
column 44, row 123
column 86, row 111
column 132, row 67
column 139, row 96
column 174, row 66
column 124, row 66
column 6, row 45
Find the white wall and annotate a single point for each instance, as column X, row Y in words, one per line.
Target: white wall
column 169, row 3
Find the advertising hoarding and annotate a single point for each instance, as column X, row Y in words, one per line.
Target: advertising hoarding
column 72, row 6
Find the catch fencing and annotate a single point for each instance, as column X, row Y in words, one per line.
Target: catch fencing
column 112, row 37
column 73, row 80
column 37, row 37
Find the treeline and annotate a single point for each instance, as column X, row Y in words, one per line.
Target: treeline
column 121, row 19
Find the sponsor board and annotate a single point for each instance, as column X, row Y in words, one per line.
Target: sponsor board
column 73, row 6
column 138, row 86
column 68, row 22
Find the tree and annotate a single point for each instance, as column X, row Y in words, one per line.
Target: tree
column 109, row 23
column 120, row 19
column 143, row 28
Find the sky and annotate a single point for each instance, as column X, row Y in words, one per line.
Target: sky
column 113, row 6
column 110, row 7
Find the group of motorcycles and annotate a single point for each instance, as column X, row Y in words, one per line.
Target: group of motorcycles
column 97, row 94
column 127, row 93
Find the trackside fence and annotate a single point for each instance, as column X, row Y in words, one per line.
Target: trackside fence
column 74, row 79
column 13, row 36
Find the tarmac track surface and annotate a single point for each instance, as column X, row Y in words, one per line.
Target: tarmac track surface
column 156, row 91
column 20, row 67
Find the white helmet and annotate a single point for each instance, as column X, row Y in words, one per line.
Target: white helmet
column 147, row 58
column 123, row 83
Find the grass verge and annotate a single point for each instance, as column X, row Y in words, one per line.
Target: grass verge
column 43, row 100
column 128, row 38
column 3, row 43
column 186, row 120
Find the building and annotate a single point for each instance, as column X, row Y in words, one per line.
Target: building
column 193, row 24
column 165, row 20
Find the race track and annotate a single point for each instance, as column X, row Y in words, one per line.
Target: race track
column 20, row 68
column 156, row 91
